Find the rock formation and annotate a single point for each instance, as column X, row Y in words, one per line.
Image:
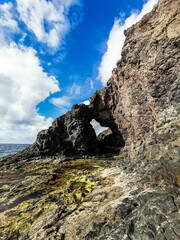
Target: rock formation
column 144, row 83
column 73, row 135
column 136, row 195
column 146, row 79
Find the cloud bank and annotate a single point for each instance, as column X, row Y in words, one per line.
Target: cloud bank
column 116, row 41
column 23, row 85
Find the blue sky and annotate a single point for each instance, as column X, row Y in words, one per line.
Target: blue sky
column 54, row 54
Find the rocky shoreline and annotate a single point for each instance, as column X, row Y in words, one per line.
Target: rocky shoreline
column 109, row 198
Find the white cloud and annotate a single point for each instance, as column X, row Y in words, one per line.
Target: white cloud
column 97, row 127
column 22, row 38
column 116, row 41
column 87, row 102
column 7, row 23
column 6, row 18
column 74, row 90
column 64, row 101
column 92, row 84
column 23, row 85
column 46, row 19
column 73, row 93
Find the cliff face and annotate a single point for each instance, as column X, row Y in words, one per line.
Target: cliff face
column 133, row 196
column 146, row 79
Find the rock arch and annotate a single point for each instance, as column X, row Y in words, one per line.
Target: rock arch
column 73, row 135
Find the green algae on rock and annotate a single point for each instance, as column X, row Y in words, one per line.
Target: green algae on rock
column 58, row 185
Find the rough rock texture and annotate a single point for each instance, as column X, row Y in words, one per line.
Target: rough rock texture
column 152, row 211
column 95, row 199
column 70, row 134
column 136, row 195
column 146, row 80
column 144, row 83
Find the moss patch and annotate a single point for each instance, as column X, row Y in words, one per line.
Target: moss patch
column 59, row 184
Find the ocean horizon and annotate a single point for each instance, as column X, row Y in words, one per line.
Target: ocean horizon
column 7, row 148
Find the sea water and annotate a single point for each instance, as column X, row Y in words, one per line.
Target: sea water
column 6, row 149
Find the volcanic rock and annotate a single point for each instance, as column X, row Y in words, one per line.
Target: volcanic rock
column 144, row 84
column 73, row 135
column 136, row 194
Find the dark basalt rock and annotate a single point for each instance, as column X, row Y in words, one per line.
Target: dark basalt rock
column 73, row 135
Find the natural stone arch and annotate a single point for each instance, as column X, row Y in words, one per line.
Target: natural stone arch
column 102, row 110
column 73, row 135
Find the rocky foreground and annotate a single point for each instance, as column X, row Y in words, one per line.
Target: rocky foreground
column 110, row 198
column 135, row 195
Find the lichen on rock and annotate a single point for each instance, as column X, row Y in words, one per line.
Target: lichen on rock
column 66, row 184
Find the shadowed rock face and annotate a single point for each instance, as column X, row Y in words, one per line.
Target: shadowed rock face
column 70, row 134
